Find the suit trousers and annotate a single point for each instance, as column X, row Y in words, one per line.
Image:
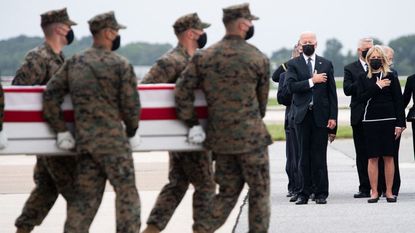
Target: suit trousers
column 292, row 156
column 361, row 157
column 313, row 158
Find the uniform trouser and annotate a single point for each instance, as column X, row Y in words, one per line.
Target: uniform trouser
column 397, row 176
column 292, row 155
column 185, row 168
column 231, row 173
column 361, row 158
column 52, row 175
column 92, row 172
column 313, row 158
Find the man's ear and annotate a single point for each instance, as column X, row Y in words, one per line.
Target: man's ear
column 108, row 34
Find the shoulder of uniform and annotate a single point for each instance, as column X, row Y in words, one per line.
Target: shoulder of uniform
column 35, row 52
column 121, row 59
column 257, row 51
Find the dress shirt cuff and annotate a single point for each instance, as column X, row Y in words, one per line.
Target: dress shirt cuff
column 310, row 82
column 379, row 86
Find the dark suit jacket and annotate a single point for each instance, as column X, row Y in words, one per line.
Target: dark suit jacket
column 409, row 90
column 284, row 98
column 352, row 73
column 277, row 73
column 324, row 94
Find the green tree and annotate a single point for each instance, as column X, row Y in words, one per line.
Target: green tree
column 280, row 56
column 404, row 54
column 333, row 53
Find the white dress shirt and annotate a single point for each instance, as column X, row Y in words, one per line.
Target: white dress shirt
column 313, row 63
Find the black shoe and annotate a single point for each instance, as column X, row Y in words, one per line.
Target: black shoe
column 321, row 201
column 361, row 195
column 373, row 200
column 313, row 197
column 391, row 199
column 294, row 198
column 302, row 201
column 290, row 194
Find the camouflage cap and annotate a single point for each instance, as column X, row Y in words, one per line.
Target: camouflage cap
column 237, row 11
column 189, row 21
column 105, row 20
column 55, row 16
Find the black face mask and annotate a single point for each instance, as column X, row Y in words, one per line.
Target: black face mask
column 375, row 63
column 364, row 54
column 69, row 37
column 116, row 43
column 201, row 42
column 250, row 33
column 308, row 49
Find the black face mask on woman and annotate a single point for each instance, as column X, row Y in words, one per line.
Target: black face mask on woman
column 201, row 42
column 116, row 43
column 375, row 63
column 250, row 33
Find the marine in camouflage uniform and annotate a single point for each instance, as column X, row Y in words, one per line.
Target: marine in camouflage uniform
column 3, row 138
column 185, row 167
column 102, row 86
column 234, row 77
column 53, row 175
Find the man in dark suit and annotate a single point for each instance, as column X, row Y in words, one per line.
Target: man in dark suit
column 311, row 81
column 291, row 145
column 352, row 73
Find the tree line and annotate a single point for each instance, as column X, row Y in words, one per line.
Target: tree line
column 404, row 61
column 12, row 52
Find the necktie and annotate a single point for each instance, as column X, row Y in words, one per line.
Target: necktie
column 310, row 66
column 310, row 71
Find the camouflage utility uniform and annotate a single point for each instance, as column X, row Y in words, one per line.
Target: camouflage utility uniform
column 102, row 86
column 52, row 174
column 185, row 167
column 1, row 107
column 234, row 77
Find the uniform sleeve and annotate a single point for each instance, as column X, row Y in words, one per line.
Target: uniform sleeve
column 277, row 73
column 53, row 97
column 32, row 70
column 283, row 97
column 263, row 88
column 163, row 71
column 184, row 93
column 129, row 101
column 1, row 107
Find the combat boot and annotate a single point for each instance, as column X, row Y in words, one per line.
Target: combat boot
column 151, row 229
column 21, row 230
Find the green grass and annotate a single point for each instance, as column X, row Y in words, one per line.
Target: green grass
column 278, row 133
column 272, row 102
